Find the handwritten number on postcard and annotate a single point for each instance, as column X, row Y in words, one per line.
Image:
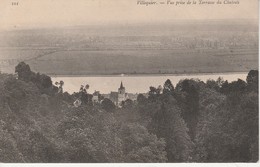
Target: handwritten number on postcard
column 15, row 3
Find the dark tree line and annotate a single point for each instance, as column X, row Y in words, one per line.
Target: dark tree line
column 216, row 121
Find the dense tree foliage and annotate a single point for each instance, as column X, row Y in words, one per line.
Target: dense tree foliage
column 108, row 105
column 216, row 121
column 42, row 81
column 228, row 124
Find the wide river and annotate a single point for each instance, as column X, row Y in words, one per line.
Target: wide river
column 134, row 83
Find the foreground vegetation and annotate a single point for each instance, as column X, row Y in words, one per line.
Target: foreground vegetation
column 214, row 121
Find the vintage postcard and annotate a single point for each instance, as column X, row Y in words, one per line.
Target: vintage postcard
column 129, row 81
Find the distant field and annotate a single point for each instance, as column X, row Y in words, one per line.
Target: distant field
column 10, row 57
column 171, row 48
column 143, row 62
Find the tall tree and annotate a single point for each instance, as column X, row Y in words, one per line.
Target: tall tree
column 189, row 102
column 167, row 123
column 168, row 87
column 252, row 80
column 24, row 71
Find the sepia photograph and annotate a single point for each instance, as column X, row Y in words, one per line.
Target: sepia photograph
column 129, row 81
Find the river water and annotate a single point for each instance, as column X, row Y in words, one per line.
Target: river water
column 134, row 83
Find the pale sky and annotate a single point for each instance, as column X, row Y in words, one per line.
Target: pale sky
column 55, row 13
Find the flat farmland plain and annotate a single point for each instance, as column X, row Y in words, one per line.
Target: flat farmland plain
column 172, row 48
column 10, row 57
column 144, row 62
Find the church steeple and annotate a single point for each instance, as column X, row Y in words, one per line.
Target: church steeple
column 121, row 94
column 121, row 86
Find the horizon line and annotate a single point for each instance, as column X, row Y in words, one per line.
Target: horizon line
column 136, row 23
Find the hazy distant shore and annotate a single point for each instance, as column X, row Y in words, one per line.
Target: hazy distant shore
column 148, row 75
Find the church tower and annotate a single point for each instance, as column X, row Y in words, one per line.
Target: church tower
column 121, row 93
